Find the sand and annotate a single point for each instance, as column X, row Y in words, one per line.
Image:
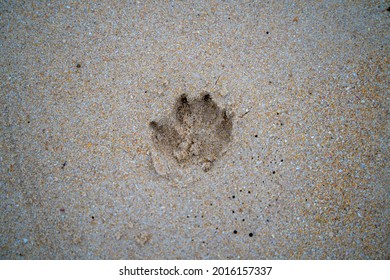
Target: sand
column 303, row 173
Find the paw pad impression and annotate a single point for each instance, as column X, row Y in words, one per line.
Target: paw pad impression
column 195, row 133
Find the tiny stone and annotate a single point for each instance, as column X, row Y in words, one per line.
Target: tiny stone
column 142, row 238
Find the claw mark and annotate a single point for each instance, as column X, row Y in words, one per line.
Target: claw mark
column 243, row 115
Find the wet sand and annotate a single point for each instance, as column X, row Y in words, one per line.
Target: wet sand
column 302, row 173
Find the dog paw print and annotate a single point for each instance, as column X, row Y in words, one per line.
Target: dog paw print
column 196, row 133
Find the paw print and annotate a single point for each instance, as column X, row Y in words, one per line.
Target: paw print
column 195, row 134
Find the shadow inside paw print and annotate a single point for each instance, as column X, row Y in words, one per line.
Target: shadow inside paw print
column 196, row 133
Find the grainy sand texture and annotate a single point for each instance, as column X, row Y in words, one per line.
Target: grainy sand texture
column 194, row 130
